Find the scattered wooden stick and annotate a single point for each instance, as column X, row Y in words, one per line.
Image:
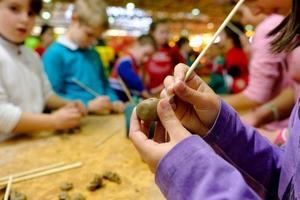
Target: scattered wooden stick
column 126, row 90
column 18, row 175
column 7, row 191
column 44, row 173
column 107, row 138
column 86, row 88
column 221, row 28
column 235, row 29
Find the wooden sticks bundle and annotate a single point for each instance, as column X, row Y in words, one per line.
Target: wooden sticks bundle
column 36, row 173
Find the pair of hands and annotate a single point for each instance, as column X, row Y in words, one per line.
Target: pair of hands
column 193, row 110
column 68, row 116
column 102, row 105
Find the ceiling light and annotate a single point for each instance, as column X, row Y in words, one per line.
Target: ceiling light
column 130, row 6
column 195, row 12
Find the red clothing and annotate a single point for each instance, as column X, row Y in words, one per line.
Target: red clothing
column 161, row 65
column 40, row 50
column 236, row 63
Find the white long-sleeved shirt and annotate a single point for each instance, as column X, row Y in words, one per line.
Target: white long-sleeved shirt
column 23, row 84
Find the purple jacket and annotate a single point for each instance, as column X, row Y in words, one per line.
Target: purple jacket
column 246, row 165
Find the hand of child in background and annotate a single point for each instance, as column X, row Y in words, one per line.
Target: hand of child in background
column 195, row 103
column 118, row 107
column 152, row 151
column 79, row 105
column 250, row 119
column 100, row 105
column 66, row 118
column 146, row 95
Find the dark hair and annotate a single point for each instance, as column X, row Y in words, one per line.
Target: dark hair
column 146, row 40
column 45, row 28
column 287, row 31
column 182, row 41
column 36, row 6
column 155, row 24
column 233, row 35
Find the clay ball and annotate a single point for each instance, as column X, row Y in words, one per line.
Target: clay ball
column 147, row 110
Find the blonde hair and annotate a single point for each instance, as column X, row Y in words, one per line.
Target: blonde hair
column 91, row 13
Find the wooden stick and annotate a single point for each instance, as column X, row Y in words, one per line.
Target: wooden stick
column 45, row 173
column 126, row 90
column 86, row 88
column 235, row 29
column 226, row 21
column 7, row 191
column 18, row 175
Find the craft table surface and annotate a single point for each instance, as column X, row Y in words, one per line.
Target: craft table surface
column 115, row 154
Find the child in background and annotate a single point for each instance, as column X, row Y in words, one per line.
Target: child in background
column 74, row 67
column 164, row 60
column 46, row 38
column 268, row 70
column 268, row 76
column 217, row 77
column 24, row 88
column 236, row 60
column 183, row 45
column 129, row 68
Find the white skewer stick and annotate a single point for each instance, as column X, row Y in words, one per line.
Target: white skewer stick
column 45, row 173
column 224, row 24
column 86, row 88
column 26, row 173
column 7, row 191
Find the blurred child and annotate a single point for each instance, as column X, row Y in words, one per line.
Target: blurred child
column 268, row 76
column 73, row 65
column 24, row 89
column 129, row 68
column 217, row 77
column 267, row 69
column 183, row 45
column 163, row 61
column 236, row 60
column 46, row 38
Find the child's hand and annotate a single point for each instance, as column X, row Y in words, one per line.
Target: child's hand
column 79, row 105
column 118, row 107
column 196, row 105
column 152, row 151
column 250, row 119
column 66, row 118
column 100, row 105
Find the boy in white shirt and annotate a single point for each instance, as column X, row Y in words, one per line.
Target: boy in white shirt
column 24, row 89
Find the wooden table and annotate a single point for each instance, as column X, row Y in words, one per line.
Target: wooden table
column 101, row 146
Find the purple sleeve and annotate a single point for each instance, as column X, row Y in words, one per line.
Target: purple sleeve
column 192, row 170
column 252, row 154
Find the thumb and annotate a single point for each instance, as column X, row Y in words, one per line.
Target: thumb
column 169, row 120
column 138, row 138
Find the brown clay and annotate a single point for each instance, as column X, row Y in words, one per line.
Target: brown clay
column 147, row 110
column 67, row 186
column 113, row 177
column 96, row 183
column 64, row 196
